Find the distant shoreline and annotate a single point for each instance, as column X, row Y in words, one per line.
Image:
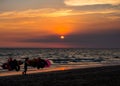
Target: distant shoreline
column 52, row 48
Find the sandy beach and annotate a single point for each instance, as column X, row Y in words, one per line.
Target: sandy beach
column 95, row 76
column 32, row 70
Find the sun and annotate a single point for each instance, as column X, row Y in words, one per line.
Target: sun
column 62, row 37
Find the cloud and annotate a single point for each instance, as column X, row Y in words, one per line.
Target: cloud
column 51, row 12
column 29, row 4
column 31, row 13
column 90, row 2
column 96, row 39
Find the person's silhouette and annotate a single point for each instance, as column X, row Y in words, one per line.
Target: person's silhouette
column 25, row 66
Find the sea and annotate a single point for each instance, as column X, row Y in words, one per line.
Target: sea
column 64, row 57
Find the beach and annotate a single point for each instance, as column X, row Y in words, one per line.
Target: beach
column 93, row 76
column 56, row 67
column 69, row 67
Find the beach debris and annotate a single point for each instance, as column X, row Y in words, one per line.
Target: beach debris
column 39, row 63
column 35, row 62
column 12, row 64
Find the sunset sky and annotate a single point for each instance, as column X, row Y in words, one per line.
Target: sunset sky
column 40, row 23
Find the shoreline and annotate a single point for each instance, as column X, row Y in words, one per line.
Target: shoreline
column 97, row 76
column 54, row 69
column 51, row 69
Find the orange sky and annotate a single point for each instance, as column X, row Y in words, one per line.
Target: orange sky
column 42, row 25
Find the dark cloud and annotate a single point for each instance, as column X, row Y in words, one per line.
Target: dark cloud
column 6, row 5
column 106, row 39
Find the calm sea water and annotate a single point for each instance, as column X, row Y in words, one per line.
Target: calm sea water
column 62, row 56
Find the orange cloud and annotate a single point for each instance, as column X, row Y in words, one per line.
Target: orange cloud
column 31, row 13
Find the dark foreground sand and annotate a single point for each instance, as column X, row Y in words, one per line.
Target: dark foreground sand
column 99, row 76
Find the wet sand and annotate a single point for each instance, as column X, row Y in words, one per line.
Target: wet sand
column 52, row 68
column 96, row 76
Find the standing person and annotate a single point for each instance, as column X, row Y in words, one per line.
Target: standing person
column 10, row 64
column 25, row 66
column 16, row 65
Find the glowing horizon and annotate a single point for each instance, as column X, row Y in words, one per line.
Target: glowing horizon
column 92, row 23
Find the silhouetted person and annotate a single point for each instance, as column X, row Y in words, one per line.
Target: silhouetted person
column 10, row 64
column 16, row 65
column 25, row 66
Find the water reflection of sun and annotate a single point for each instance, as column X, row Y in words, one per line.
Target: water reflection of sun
column 62, row 68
